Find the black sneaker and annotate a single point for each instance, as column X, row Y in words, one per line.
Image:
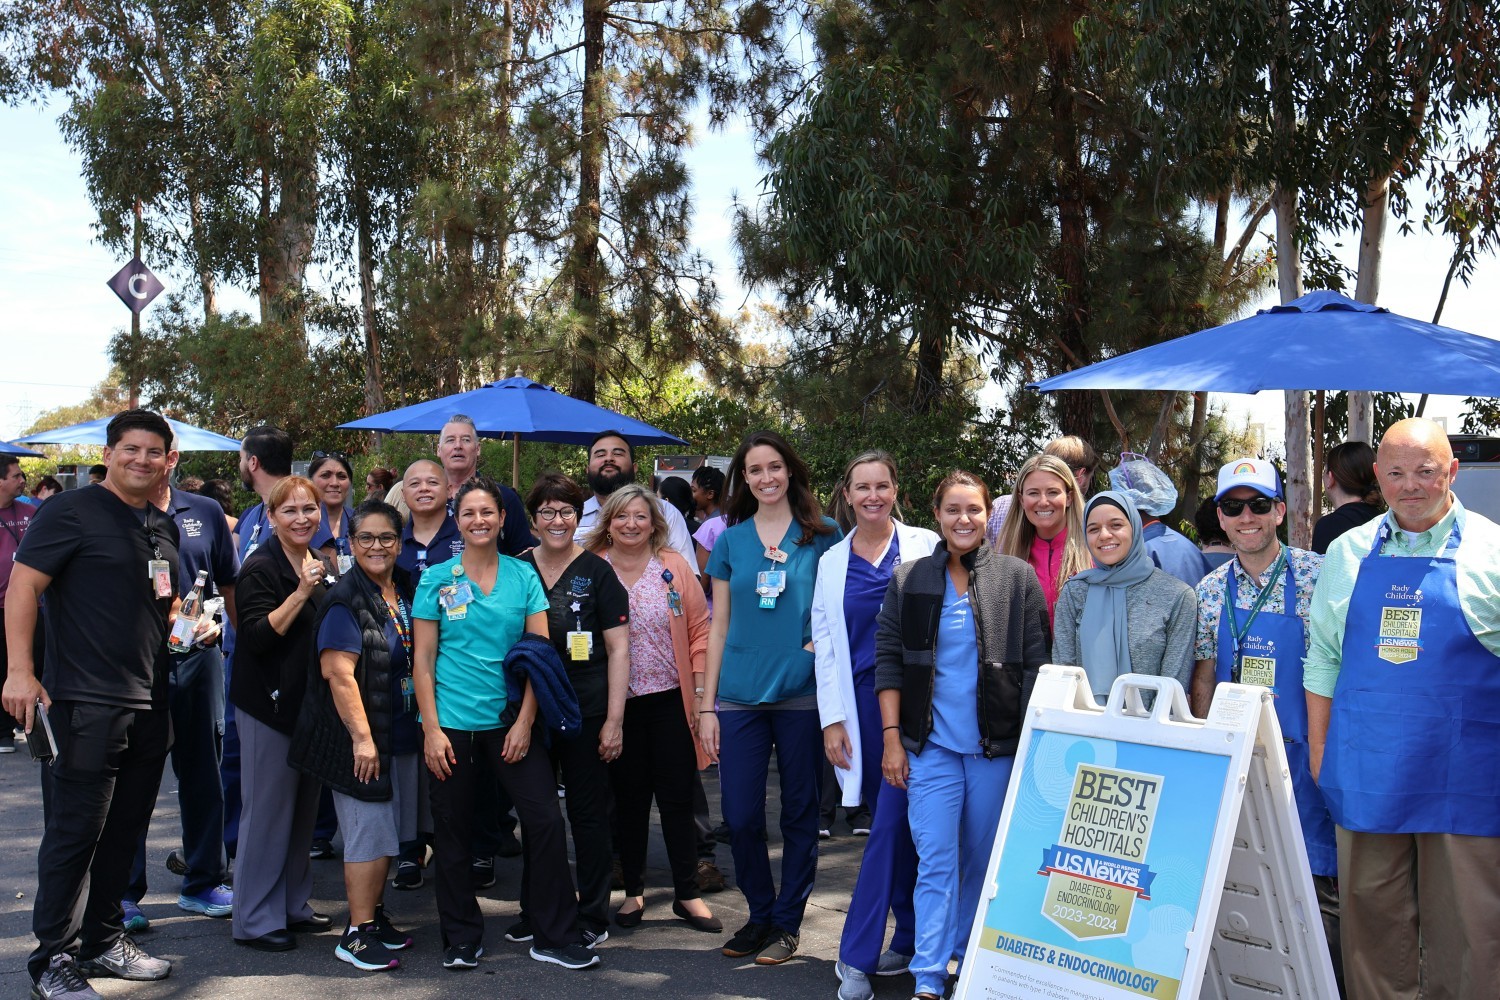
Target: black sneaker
column 591, row 938
column 322, row 850
column 462, row 956
column 361, row 948
column 61, row 980
column 176, row 863
column 748, row 940
column 780, row 948
column 386, row 932
column 126, row 961
column 519, row 932
column 482, row 871
column 408, row 876
column 569, row 956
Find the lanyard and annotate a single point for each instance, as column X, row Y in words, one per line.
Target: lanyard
column 1237, row 633
column 400, row 617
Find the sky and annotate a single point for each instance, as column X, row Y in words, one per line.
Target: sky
column 58, row 315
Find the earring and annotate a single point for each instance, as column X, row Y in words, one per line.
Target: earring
column 609, row 539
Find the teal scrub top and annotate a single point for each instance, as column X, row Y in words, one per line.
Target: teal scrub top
column 469, row 677
column 764, row 659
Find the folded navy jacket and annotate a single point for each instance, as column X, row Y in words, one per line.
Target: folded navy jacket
column 535, row 659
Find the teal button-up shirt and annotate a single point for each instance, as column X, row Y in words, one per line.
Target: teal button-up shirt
column 1478, row 559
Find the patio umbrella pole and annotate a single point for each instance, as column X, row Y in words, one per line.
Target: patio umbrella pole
column 515, row 462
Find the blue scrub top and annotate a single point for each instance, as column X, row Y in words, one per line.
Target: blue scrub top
column 955, row 688
column 764, row 659
column 864, row 591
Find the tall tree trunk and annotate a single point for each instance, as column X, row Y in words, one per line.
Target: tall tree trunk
column 207, row 280
column 1075, row 409
column 359, row 196
column 287, row 245
column 1374, row 213
column 932, row 349
column 586, row 262
column 1192, row 473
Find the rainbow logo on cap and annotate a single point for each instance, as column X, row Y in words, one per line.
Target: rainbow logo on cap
column 1246, row 467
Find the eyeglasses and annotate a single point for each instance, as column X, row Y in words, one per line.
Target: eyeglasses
column 1257, row 505
column 386, row 540
column 554, row 513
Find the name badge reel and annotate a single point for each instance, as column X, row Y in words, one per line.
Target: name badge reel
column 769, row 584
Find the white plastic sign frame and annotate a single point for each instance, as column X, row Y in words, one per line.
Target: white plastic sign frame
column 1143, row 852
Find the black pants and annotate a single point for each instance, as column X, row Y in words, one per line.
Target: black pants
column 657, row 760
column 97, row 798
column 588, row 800
column 554, row 907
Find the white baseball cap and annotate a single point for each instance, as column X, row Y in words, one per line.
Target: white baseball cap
column 1256, row 473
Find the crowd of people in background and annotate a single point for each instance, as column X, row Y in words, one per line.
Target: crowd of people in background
column 419, row 668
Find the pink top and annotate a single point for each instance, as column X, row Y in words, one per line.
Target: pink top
column 653, row 667
column 1046, row 558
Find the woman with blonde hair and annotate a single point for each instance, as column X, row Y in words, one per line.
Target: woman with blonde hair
column 1050, row 534
column 659, row 757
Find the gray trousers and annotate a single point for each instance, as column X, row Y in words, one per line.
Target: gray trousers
column 272, row 873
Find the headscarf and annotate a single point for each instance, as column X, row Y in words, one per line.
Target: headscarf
column 1104, row 633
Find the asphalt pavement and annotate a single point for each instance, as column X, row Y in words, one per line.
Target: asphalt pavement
column 662, row 956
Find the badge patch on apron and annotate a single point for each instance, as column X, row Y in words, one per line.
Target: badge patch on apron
column 1399, row 640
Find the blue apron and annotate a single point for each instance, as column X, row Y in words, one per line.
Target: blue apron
column 1271, row 654
column 1414, row 732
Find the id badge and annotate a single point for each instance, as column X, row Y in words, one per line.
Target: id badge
column 769, row 584
column 580, row 646
column 455, row 596
column 345, row 563
column 160, row 573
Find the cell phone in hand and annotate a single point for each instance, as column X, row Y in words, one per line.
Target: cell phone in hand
column 39, row 741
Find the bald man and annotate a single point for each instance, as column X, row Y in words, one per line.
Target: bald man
column 431, row 535
column 1403, row 703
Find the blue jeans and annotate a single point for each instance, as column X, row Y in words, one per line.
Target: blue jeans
column 745, row 743
column 953, row 802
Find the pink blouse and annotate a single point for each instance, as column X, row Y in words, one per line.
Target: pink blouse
column 653, row 667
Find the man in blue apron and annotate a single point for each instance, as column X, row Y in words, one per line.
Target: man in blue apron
column 1403, row 699
column 1252, row 629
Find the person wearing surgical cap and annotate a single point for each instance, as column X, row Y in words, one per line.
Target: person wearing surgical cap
column 1153, row 494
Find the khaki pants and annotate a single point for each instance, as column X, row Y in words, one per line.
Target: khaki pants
column 1439, row 890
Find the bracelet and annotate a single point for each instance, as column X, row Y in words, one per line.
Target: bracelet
column 888, row 728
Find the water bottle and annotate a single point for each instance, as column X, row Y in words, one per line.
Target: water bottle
column 181, row 639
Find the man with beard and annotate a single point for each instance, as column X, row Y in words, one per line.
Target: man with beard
column 612, row 465
column 458, row 449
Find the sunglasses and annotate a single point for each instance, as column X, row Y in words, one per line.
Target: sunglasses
column 1257, row 505
column 332, row 454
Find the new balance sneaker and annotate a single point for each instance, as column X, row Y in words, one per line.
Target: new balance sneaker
column 748, row 940
column 135, row 920
column 569, row 956
column 591, row 938
column 853, row 984
column 361, row 947
column 462, row 956
column 386, row 932
column 126, row 961
column 62, row 980
column 892, row 963
column 781, row 946
column 519, row 932
column 482, row 871
column 216, row 902
column 408, row 876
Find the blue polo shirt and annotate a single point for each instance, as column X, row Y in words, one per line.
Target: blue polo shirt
column 414, row 557
column 764, row 660
column 324, row 534
column 205, row 541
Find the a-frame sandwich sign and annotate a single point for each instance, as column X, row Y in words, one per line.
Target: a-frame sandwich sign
column 1143, row 852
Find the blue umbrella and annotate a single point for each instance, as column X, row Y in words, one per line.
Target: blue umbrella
column 516, row 406
column 1320, row 341
column 7, row 448
column 189, row 438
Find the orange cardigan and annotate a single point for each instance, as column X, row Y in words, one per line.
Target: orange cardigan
column 689, row 639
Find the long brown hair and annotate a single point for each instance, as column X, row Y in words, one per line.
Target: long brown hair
column 742, row 504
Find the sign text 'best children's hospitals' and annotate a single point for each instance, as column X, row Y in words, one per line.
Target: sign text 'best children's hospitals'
column 1124, row 836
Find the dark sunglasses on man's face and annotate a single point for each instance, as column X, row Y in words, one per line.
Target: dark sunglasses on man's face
column 1257, row 505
